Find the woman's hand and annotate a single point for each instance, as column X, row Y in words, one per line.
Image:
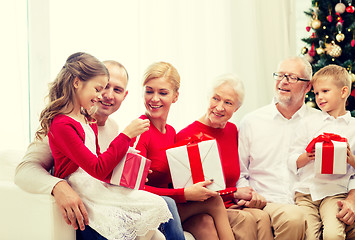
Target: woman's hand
column 136, row 127
column 199, row 192
column 256, row 201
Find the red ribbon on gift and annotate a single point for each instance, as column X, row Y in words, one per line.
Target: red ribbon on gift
column 196, row 138
column 194, row 154
column 327, row 150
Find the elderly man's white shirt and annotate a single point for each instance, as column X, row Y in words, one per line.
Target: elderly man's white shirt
column 265, row 138
column 322, row 185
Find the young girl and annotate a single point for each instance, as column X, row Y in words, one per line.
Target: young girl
column 161, row 85
column 114, row 212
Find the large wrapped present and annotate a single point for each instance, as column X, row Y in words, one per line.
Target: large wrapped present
column 330, row 153
column 194, row 160
column 131, row 172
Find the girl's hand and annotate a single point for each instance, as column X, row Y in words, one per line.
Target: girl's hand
column 149, row 172
column 350, row 157
column 243, row 193
column 199, row 192
column 136, row 127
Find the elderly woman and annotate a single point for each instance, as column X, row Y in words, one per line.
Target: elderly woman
column 161, row 84
column 226, row 98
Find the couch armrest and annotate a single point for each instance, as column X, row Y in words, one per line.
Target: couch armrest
column 30, row 216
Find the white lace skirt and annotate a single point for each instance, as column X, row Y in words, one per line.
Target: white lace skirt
column 118, row 212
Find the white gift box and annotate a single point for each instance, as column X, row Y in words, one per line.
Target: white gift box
column 131, row 172
column 330, row 158
column 208, row 157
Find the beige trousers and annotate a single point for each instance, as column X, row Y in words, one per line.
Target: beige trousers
column 321, row 217
column 287, row 221
column 249, row 224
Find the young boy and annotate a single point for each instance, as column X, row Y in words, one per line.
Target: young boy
column 317, row 194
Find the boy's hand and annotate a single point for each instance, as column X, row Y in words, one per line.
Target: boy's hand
column 305, row 158
column 136, row 127
column 346, row 211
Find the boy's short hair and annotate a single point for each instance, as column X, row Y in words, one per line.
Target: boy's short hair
column 337, row 74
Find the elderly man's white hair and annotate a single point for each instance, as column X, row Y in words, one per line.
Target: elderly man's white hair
column 234, row 81
column 307, row 70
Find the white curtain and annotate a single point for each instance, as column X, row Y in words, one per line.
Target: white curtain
column 201, row 38
column 14, row 127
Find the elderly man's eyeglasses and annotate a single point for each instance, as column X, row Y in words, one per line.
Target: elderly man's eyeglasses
column 289, row 78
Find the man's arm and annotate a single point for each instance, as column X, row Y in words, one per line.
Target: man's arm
column 32, row 175
column 244, row 156
column 70, row 205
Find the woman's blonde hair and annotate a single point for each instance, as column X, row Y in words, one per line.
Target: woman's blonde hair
column 165, row 70
column 61, row 92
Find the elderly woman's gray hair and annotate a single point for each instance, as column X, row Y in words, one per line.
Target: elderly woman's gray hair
column 232, row 80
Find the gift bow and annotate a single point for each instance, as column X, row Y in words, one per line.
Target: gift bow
column 193, row 152
column 194, row 139
column 325, row 137
column 327, row 150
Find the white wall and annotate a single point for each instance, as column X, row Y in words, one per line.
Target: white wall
column 14, row 127
column 201, row 38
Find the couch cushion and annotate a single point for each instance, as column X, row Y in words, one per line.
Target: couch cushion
column 9, row 159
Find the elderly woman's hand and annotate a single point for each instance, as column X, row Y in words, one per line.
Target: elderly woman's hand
column 199, row 192
column 243, row 193
column 257, row 201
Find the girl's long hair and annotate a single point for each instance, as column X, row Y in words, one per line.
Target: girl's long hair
column 62, row 91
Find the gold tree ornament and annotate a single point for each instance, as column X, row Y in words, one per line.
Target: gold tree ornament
column 320, row 51
column 340, row 8
column 316, row 24
column 311, row 104
column 340, row 37
column 352, row 77
column 333, row 50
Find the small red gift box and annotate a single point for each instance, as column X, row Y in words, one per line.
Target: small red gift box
column 194, row 160
column 131, row 172
column 330, row 153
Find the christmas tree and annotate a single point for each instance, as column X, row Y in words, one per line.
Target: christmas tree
column 331, row 40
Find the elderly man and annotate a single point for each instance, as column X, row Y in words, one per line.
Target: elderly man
column 265, row 137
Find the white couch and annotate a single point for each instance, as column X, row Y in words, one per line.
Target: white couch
column 29, row 216
column 24, row 215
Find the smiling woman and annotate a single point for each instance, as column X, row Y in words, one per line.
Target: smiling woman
column 226, row 98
